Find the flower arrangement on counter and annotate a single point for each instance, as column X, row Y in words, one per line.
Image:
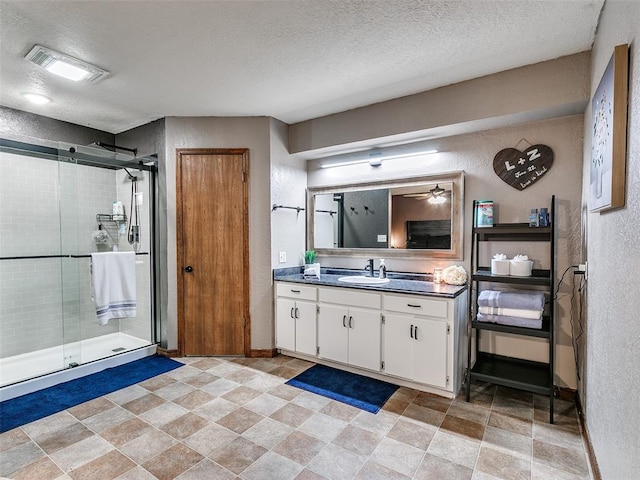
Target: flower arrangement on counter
column 454, row 275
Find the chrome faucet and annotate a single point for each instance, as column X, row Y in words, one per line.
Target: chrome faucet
column 369, row 267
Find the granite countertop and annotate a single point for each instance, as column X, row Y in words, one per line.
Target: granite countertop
column 408, row 283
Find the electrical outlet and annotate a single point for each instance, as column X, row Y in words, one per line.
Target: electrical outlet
column 583, row 267
column 282, row 257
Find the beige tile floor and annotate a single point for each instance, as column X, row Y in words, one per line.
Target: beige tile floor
column 235, row 418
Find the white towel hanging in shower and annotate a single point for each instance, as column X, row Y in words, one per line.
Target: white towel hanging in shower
column 114, row 285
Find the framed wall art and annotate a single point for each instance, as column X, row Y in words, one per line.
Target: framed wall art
column 609, row 135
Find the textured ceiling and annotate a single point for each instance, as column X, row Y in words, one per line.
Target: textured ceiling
column 292, row 60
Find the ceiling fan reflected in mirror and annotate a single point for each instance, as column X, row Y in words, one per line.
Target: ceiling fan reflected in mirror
column 435, row 196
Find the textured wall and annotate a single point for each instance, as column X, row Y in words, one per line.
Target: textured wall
column 612, row 377
column 474, row 154
column 288, row 182
column 27, row 127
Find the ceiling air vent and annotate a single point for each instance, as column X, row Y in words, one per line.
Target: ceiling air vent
column 64, row 65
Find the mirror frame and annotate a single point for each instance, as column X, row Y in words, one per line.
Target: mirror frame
column 456, row 178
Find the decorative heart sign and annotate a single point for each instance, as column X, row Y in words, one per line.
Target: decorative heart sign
column 523, row 169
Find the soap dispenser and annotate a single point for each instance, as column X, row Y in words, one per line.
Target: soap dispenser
column 382, row 269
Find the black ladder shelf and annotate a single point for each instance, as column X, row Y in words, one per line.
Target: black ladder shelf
column 536, row 377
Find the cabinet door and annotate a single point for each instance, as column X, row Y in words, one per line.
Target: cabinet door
column 285, row 324
column 306, row 336
column 430, row 352
column 364, row 338
column 333, row 333
column 398, row 345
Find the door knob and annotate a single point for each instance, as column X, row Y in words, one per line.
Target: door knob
column 188, row 269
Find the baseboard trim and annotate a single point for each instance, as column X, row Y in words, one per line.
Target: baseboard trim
column 265, row 353
column 163, row 352
column 595, row 470
column 564, row 393
column 254, row 353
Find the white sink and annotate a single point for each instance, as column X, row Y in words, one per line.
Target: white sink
column 360, row 280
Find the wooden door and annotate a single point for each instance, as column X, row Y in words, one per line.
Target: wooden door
column 213, row 254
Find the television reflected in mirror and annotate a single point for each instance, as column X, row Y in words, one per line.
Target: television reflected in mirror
column 415, row 217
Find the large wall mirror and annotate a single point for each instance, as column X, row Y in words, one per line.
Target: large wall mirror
column 416, row 217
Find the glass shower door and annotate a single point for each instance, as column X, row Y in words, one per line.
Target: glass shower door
column 31, row 317
column 96, row 193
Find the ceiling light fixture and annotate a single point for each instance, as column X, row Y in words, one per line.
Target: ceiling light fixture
column 65, row 65
column 376, row 158
column 437, row 200
column 36, row 98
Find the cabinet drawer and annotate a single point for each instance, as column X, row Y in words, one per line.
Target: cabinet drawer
column 294, row 290
column 417, row 305
column 350, row 297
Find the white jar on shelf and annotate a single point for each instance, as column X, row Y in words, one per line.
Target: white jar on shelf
column 500, row 267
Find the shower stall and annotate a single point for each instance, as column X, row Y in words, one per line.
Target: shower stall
column 58, row 205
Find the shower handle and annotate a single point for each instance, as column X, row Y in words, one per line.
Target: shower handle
column 188, row 269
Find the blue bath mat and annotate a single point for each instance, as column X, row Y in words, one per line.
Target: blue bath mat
column 34, row 406
column 362, row 392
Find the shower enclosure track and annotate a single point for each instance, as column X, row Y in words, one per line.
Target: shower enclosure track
column 50, row 153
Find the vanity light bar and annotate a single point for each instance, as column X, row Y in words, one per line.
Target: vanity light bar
column 375, row 160
column 342, row 164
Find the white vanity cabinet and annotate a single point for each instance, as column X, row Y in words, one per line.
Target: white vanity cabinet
column 422, row 339
column 415, row 340
column 296, row 318
column 349, row 327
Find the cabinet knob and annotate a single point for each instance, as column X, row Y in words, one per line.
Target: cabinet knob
column 188, row 269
